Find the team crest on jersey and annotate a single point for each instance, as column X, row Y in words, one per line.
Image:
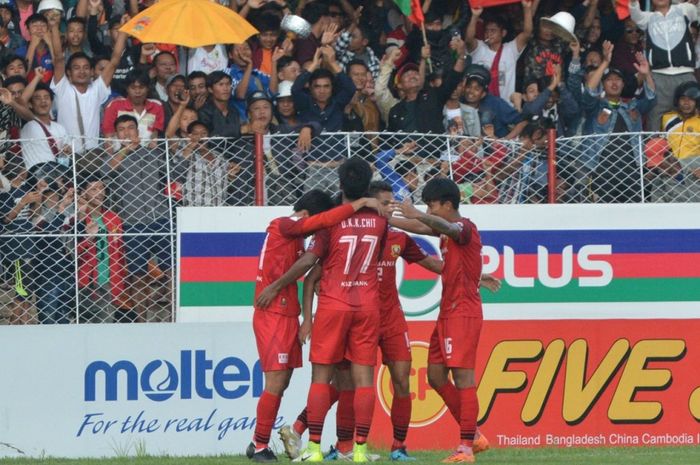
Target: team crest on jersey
column 282, row 358
column 396, row 250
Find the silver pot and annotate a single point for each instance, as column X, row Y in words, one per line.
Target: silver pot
column 296, row 25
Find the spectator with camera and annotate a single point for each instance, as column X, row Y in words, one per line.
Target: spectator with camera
column 201, row 169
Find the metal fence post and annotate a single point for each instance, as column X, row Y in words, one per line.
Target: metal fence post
column 640, row 150
column 449, row 157
column 259, row 171
column 552, row 166
column 171, row 223
column 75, row 233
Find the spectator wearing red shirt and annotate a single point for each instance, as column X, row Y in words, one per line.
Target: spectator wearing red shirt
column 148, row 112
column 102, row 276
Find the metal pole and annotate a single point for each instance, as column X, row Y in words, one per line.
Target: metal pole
column 75, row 234
column 552, row 166
column 171, row 222
column 640, row 162
column 259, row 171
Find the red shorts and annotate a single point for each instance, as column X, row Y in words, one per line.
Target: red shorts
column 396, row 348
column 277, row 338
column 393, row 321
column 393, row 336
column 454, row 342
column 350, row 334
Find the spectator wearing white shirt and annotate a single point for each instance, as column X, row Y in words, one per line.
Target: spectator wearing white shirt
column 207, row 59
column 43, row 140
column 78, row 97
column 669, row 50
column 484, row 52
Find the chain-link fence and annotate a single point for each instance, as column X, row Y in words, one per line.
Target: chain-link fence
column 89, row 236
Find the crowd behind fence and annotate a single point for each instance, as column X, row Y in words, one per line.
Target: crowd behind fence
column 91, row 238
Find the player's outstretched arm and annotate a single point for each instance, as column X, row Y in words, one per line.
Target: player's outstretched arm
column 490, row 282
column 412, row 226
column 331, row 217
column 432, row 264
column 434, row 223
column 307, row 300
column 295, row 272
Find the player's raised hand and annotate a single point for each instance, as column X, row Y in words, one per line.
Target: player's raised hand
column 407, row 209
column 304, row 332
column 490, row 282
column 383, row 210
column 267, row 296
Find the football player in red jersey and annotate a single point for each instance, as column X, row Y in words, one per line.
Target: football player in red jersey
column 346, row 325
column 276, row 317
column 456, row 336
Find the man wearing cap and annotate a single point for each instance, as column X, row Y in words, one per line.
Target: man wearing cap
column 279, row 154
column 148, row 112
column 670, row 49
column 420, row 109
column 614, row 160
column 500, row 58
column 682, row 124
column 500, row 114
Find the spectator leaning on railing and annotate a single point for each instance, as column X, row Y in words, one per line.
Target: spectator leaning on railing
column 683, row 128
column 614, row 159
column 329, row 91
column 135, row 175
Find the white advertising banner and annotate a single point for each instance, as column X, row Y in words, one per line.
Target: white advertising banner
column 113, row 390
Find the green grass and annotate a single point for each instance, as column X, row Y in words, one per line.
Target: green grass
column 549, row 456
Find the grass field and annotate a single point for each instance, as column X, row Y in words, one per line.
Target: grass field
column 548, row 456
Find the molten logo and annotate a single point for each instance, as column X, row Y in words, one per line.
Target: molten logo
column 427, row 406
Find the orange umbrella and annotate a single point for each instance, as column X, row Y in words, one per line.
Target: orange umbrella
column 192, row 23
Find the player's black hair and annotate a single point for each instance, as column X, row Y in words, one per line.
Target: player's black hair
column 355, row 175
column 441, row 190
column 315, row 201
column 375, row 187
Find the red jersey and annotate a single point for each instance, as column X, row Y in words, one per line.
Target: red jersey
column 350, row 253
column 461, row 273
column 284, row 244
column 398, row 244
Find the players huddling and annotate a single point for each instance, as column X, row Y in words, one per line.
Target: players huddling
column 353, row 255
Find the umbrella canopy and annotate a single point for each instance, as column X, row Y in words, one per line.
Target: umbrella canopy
column 192, row 23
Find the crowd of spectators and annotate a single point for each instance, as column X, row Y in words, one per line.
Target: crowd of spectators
column 106, row 134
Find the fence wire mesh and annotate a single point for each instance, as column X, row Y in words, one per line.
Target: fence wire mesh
column 89, row 237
